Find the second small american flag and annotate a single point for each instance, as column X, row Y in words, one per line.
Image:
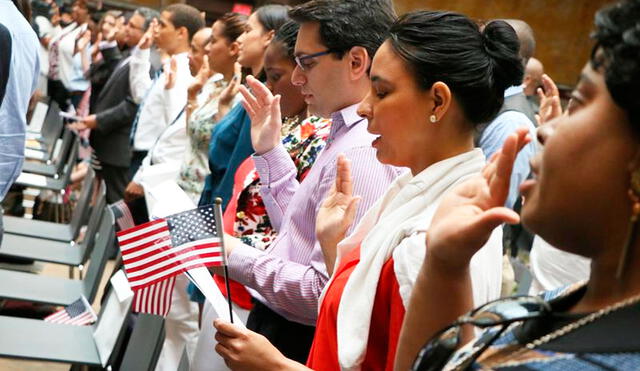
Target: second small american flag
column 164, row 248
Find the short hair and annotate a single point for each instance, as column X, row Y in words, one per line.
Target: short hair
column 345, row 24
column 449, row 47
column 273, row 16
column 186, row 16
column 148, row 14
column 617, row 36
column 287, row 36
column 234, row 25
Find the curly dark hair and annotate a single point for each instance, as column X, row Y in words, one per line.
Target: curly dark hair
column 286, row 36
column 617, row 36
column 449, row 47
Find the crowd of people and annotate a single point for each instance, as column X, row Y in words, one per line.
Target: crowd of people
column 379, row 176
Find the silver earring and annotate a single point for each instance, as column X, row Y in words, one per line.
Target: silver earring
column 433, row 119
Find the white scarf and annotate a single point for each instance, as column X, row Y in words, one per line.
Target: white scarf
column 400, row 218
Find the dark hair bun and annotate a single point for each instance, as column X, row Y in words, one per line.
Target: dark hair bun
column 501, row 44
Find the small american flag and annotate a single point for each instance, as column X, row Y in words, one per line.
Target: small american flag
column 155, row 299
column 78, row 313
column 123, row 216
column 163, row 248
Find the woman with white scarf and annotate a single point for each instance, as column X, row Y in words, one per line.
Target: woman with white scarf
column 434, row 80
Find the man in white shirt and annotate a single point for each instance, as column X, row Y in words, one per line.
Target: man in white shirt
column 158, row 134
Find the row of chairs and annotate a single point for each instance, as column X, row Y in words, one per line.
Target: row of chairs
column 83, row 245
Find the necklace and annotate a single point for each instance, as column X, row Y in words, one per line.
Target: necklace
column 571, row 327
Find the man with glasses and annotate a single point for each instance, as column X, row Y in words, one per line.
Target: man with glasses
column 335, row 45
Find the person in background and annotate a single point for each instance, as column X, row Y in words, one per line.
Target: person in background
column 113, row 113
column 196, row 54
column 18, row 80
column 212, row 78
column 588, row 207
column 516, row 112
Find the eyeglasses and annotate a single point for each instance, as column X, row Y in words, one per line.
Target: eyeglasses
column 305, row 66
column 501, row 312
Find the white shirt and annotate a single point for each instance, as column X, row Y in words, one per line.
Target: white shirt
column 69, row 66
column 160, row 106
column 553, row 268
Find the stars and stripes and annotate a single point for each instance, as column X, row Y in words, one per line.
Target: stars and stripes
column 155, row 299
column 122, row 214
column 78, row 313
column 164, row 248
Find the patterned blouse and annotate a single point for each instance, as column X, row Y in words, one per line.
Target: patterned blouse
column 609, row 342
column 201, row 122
column 303, row 142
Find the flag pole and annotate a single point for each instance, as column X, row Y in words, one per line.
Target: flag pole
column 217, row 210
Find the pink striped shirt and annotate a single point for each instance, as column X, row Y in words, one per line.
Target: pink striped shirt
column 290, row 275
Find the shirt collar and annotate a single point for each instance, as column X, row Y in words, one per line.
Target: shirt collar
column 348, row 115
column 513, row 90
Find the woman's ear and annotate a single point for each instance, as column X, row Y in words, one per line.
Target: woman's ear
column 267, row 37
column 441, row 96
column 234, row 49
column 359, row 62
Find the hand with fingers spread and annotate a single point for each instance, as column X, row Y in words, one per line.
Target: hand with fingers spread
column 337, row 212
column 229, row 93
column 264, row 110
column 472, row 210
column 95, row 50
column 170, row 74
column 201, row 78
column 83, row 41
column 243, row 349
column 147, row 39
column 550, row 107
column 111, row 35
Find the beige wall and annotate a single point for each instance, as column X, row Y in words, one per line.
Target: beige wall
column 562, row 27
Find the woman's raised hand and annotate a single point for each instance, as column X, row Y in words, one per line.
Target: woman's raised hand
column 550, row 107
column 337, row 212
column 229, row 93
column 472, row 210
column 264, row 110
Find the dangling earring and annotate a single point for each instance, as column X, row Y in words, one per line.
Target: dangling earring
column 433, row 119
column 634, row 195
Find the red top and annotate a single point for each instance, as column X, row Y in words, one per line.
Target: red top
column 239, row 293
column 386, row 320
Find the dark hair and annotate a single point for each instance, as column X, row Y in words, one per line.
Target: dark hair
column 273, row 16
column 617, row 35
column 148, row 14
column 186, row 16
column 234, row 25
column 286, row 36
column 24, row 7
column 348, row 23
column 525, row 37
column 448, row 47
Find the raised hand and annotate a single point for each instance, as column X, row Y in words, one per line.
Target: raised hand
column 264, row 110
column 337, row 212
column 111, row 34
column 472, row 210
column 170, row 74
column 550, row 107
column 201, row 78
column 229, row 93
column 95, row 50
column 83, row 41
column 147, row 39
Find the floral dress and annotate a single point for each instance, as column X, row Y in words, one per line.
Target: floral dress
column 304, row 142
column 195, row 167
